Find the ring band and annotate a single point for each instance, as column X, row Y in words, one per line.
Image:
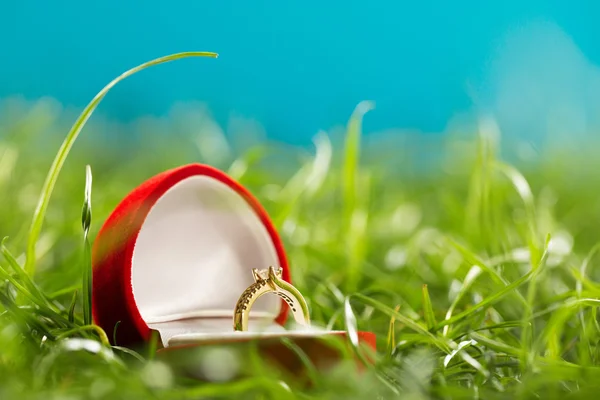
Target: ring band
column 269, row 281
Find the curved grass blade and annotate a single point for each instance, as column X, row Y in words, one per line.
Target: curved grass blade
column 79, row 330
column 40, row 210
column 115, row 332
column 130, row 352
column 350, row 322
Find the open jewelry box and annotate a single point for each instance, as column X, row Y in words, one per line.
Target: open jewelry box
column 174, row 257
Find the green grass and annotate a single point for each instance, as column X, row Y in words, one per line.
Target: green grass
column 478, row 279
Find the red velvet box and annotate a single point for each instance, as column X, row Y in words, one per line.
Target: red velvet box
column 175, row 255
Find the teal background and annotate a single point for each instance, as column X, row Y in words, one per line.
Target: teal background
column 298, row 66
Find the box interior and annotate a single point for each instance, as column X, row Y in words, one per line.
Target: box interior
column 193, row 258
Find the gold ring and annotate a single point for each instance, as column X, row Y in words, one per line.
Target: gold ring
column 269, row 281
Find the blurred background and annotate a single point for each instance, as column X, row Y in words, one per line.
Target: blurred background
column 272, row 110
column 289, row 69
column 440, row 75
column 482, row 128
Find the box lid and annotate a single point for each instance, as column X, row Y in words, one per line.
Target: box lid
column 177, row 252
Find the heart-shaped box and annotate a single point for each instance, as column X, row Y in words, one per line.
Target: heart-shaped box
column 175, row 255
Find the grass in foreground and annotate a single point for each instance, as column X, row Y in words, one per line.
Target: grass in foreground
column 478, row 280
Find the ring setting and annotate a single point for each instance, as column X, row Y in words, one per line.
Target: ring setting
column 269, row 281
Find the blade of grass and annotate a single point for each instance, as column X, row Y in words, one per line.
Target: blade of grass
column 352, row 216
column 584, row 267
column 428, row 309
column 522, row 187
column 132, row 353
column 85, row 328
column 40, row 210
column 115, row 332
column 352, row 332
column 502, row 325
column 351, row 156
column 466, row 357
column 585, row 343
column 391, row 336
column 479, row 222
column 470, row 278
column 526, row 333
column 72, row 307
column 495, row 345
column 63, row 291
column 350, row 323
column 472, row 223
column 153, row 344
column 86, row 220
column 581, row 278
